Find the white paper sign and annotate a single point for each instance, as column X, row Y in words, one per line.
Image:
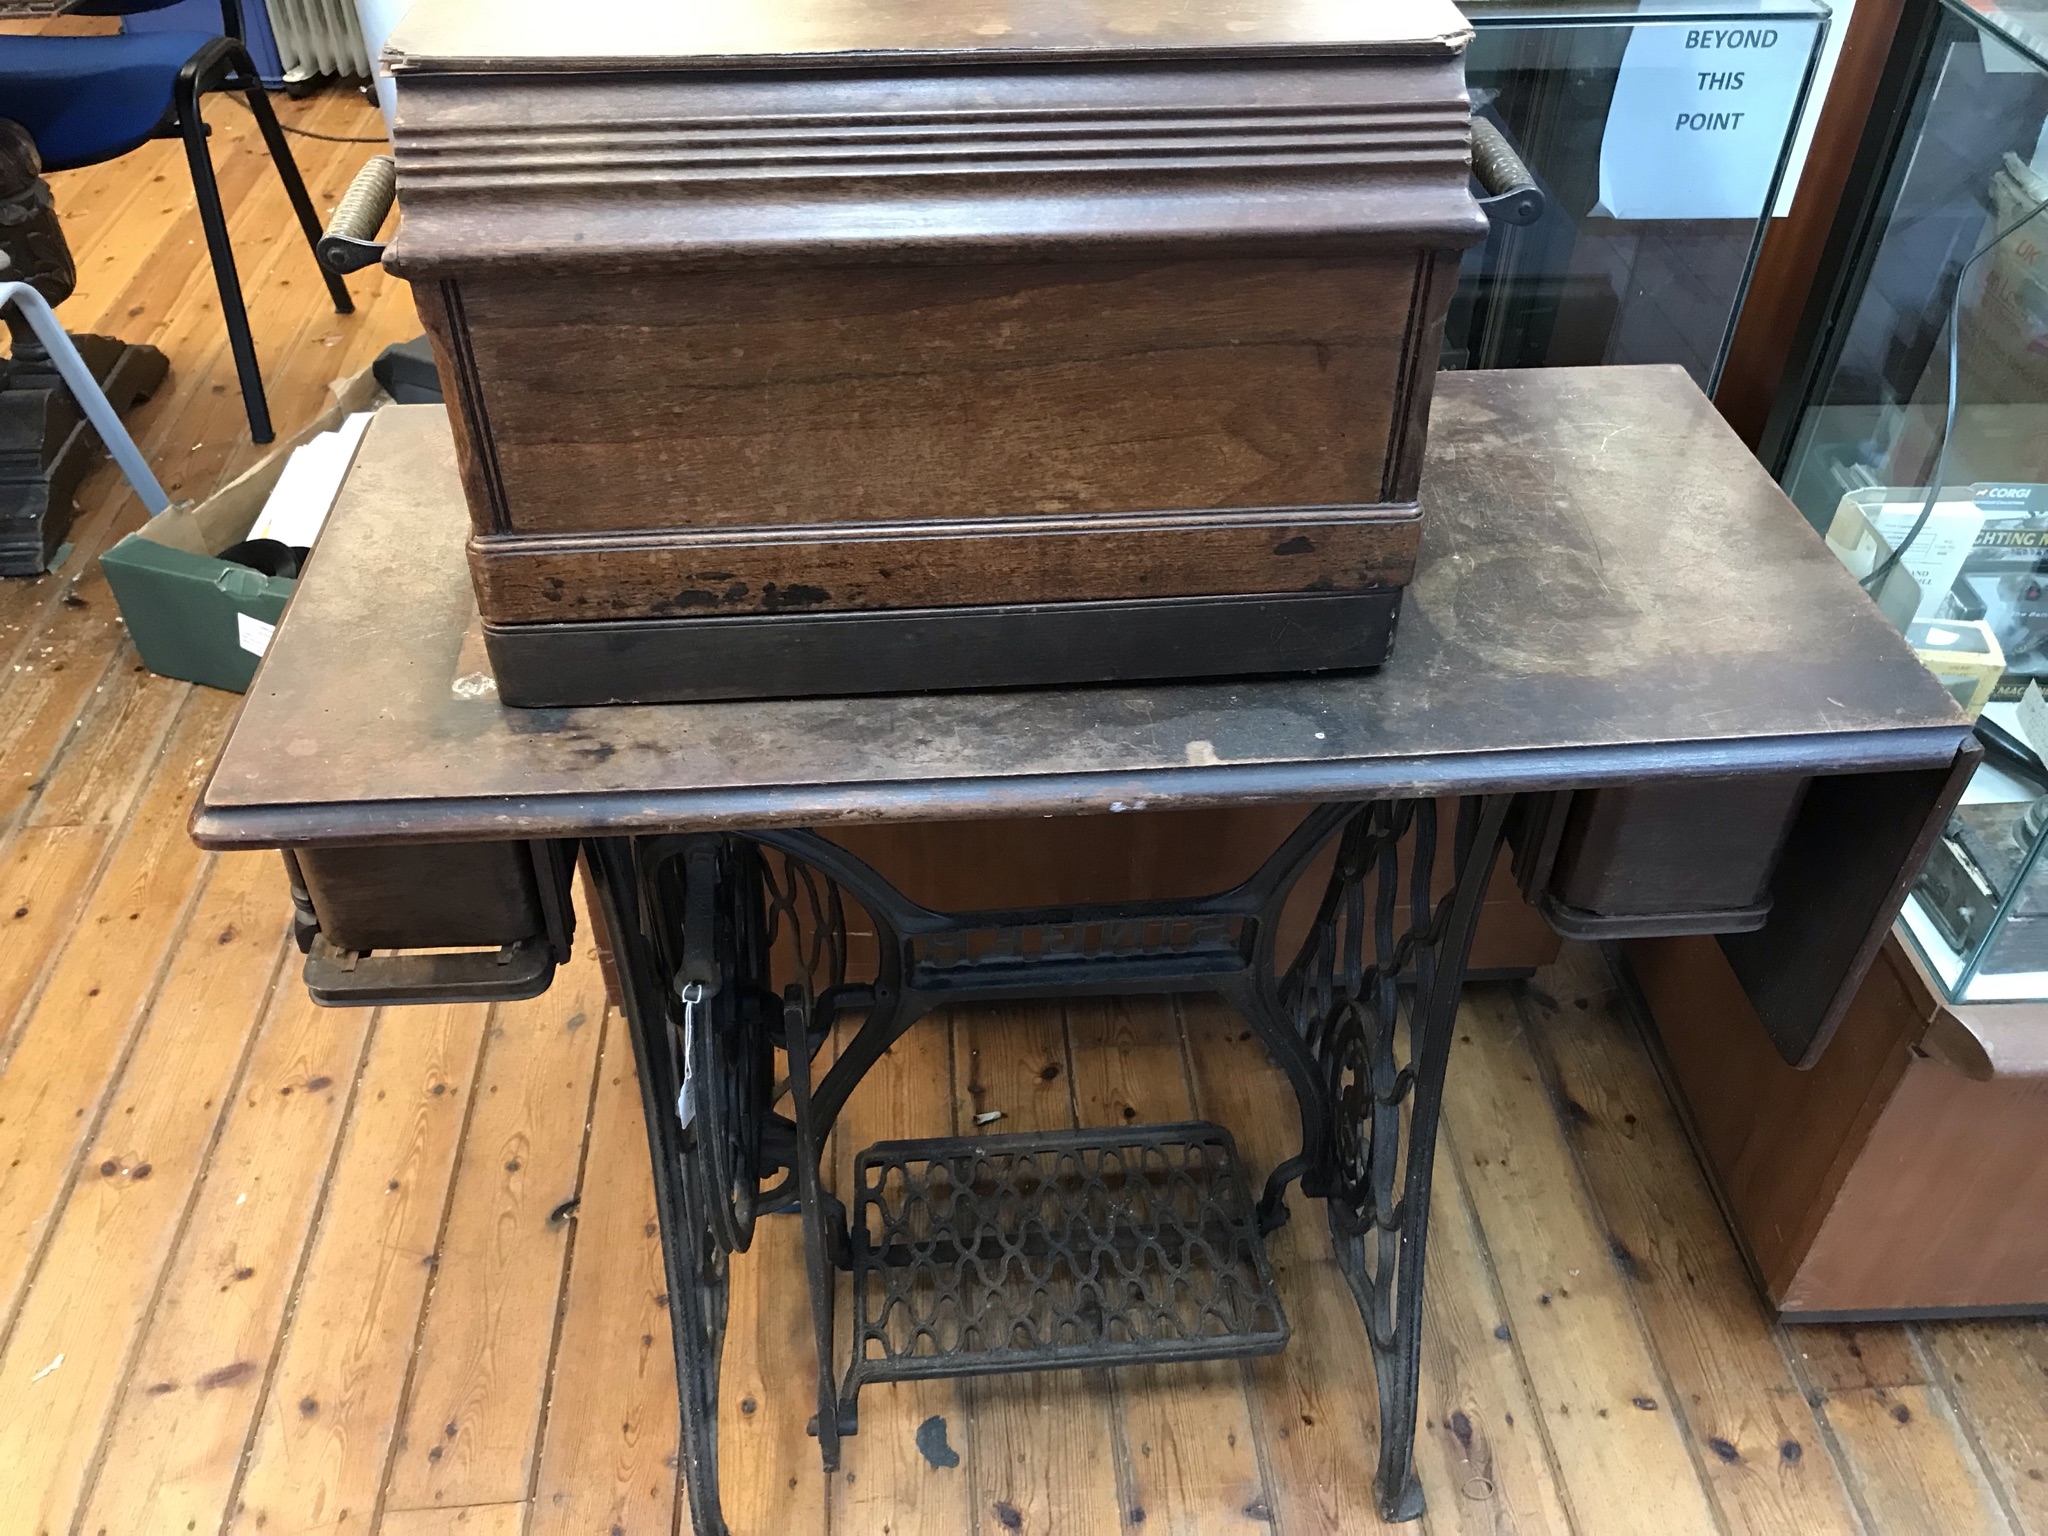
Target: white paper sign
column 253, row 634
column 1936, row 557
column 1698, row 117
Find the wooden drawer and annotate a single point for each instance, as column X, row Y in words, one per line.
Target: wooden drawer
column 1692, row 857
column 468, row 921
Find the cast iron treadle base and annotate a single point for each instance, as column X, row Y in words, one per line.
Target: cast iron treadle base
column 972, row 1256
column 976, row 1255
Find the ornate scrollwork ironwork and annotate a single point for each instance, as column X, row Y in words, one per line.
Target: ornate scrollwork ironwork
column 739, row 945
column 1374, row 993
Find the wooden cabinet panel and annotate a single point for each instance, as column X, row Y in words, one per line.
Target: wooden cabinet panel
column 872, row 394
column 842, row 311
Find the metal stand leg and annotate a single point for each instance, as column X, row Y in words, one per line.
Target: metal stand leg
column 690, row 1088
column 213, row 220
column 225, row 64
column 295, row 189
column 1376, row 1171
column 813, row 1211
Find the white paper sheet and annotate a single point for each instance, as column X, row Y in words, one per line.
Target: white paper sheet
column 312, row 478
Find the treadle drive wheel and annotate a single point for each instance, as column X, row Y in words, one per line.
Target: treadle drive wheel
column 731, row 1076
column 695, row 1255
column 713, row 942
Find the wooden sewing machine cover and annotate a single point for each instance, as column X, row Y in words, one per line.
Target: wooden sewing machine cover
column 807, row 346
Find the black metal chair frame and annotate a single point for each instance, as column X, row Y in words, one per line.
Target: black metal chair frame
column 224, row 65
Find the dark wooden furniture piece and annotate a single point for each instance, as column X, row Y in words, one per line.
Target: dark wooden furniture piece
column 851, row 346
column 1614, row 609
column 46, row 444
column 1902, row 1176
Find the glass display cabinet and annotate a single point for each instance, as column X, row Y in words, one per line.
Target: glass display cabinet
column 1659, row 134
column 1926, row 366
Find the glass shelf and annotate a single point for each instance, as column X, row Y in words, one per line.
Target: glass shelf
column 2022, row 27
column 1955, row 220
column 1659, row 133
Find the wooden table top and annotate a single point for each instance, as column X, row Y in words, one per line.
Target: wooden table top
column 1611, row 589
column 529, row 36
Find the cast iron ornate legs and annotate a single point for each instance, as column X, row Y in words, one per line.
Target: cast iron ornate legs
column 1012, row 1252
column 701, row 1036
column 1343, row 992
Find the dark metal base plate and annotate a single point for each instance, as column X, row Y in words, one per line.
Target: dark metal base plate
column 803, row 655
column 342, row 978
column 1600, row 927
column 46, row 445
column 977, row 1255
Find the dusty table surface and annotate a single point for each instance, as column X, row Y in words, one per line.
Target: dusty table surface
column 1611, row 589
column 541, row 36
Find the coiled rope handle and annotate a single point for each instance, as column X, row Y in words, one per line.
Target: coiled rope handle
column 351, row 240
column 1512, row 196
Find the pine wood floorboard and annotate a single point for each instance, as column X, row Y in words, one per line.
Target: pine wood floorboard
column 885, row 1482
column 170, row 1453
column 768, row 1462
column 1997, row 1376
column 1191, row 1453
column 1045, row 1443
column 608, row 1448
column 96, row 1286
column 481, row 1375
column 70, row 1053
column 217, row 1313
column 327, row 1430
column 1607, row 1410
column 1734, row 1390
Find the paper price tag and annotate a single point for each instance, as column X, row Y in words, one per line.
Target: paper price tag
column 253, row 634
column 2033, row 720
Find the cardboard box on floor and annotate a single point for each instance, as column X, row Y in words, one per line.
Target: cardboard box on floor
column 191, row 614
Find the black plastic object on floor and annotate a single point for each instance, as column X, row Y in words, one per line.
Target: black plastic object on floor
column 265, row 555
column 405, row 371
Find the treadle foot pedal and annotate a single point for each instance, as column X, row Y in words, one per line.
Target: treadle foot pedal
column 978, row 1255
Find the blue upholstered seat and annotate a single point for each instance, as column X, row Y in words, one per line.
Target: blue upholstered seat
column 88, row 99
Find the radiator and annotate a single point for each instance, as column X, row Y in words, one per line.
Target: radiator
column 318, row 37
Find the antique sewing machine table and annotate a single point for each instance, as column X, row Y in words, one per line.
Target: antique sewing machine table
column 1623, row 652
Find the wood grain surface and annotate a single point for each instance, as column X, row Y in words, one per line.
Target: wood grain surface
column 545, row 580
column 896, row 437
column 1046, row 1445
column 134, row 1003
column 848, row 337
column 724, row 399
column 1743, row 1408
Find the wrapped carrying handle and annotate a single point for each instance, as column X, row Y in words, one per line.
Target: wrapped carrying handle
column 1512, row 196
column 351, row 240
